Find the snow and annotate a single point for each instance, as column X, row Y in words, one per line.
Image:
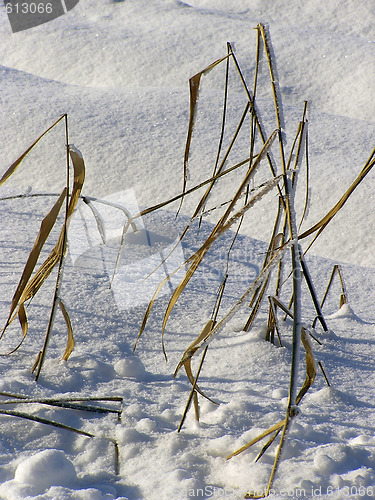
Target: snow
column 45, row 469
column 120, row 71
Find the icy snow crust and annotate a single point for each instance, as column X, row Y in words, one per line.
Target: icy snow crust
column 120, row 70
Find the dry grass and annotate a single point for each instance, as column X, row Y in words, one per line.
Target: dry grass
column 285, row 235
column 30, row 283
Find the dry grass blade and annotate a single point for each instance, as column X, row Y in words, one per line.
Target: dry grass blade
column 68, row 403
column 186, row 359
column 313, row 293
column 273, row 73
column 223, row 120
column 79, row 178
column 282, row 306
column 196, row 405
column 16, row 164
column 301, row 139
column 264, row 434
column 193, row 380
column 273, row 323
column 343, row 296
column 42, row 273
column 258, row 59
column 267, row 445
column 70, row 343
column 25, row 289
column 310, row 366
column 118, row 399
column 34, row 418
column 151, row 303
column 194, row 84
column 330, row 215
column 304, row 123
column 190, row 350
column 23, row 319
column 321, row 366
column 192, row 395
column 256, row 300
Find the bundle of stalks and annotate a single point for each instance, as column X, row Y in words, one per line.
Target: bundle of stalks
column 30, row 284
column 285, row 235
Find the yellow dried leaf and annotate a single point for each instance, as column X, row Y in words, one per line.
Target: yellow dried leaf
column 310, row 366
column 44, row 231
column 190, row 350
column 272, row 429
column 79, row 178
column 16, row 164
column 194, row 83
column 70, row 343
column 330, row 215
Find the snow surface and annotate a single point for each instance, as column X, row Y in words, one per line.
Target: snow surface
column 120, row 71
